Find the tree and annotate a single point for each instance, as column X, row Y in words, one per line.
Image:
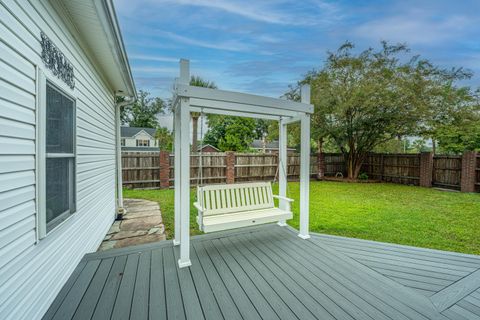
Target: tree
column 164, row 138
column 230, row 133
column 366, row 99
column 461, row 132
column 198, row 82
column 143, row 113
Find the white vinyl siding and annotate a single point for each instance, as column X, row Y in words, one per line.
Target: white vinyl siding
column 33, row 271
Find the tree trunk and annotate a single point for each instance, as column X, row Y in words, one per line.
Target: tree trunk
column 434, row 145
column 354, row 164
column 194, row 132
column 320, row 145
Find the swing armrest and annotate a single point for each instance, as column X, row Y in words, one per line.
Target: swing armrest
column 198, row 206
column 283, row 198
column 287, row 202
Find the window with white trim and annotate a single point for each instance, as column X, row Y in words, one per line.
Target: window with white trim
column 143, row 143
column 60, row 198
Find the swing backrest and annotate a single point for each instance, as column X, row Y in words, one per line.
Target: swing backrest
column 230, row 198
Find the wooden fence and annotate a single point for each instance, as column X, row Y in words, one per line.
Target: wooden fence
column 142, row 169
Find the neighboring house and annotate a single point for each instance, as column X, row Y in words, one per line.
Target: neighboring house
column 138, row 139
column 207, row 148
column 61, row 64
column 268, row 147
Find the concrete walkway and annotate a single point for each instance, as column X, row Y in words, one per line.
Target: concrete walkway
column 141, row 224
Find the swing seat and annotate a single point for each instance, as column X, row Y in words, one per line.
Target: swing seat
column 223, row 207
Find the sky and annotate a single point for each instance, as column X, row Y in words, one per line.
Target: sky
column 264, row 46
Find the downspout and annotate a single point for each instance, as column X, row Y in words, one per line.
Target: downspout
column 118, row 107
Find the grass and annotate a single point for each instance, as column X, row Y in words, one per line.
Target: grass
column 378, row 211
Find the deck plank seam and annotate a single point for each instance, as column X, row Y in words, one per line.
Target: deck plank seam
column 279, row 280
column 240, row 284
column 325, row 284
column 227, row 286
column 402, row 296
column 361, row 288
column 222, row 240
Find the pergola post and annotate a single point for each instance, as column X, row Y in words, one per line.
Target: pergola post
column 304, row 166
column 184, row 79
column 184, row 185
column 282, row 165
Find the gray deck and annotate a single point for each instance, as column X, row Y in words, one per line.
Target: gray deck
column 267, row 272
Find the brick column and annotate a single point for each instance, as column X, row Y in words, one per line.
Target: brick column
column 469, row 164
column 164, row 169
column 321, row 165
column 230, row 170
column 426, row 169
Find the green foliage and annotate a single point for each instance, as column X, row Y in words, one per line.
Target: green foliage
column 230, row 133
column 143, row 113
column 367, row 99
column 461, row 132
column 165, row 139
column 363, row 176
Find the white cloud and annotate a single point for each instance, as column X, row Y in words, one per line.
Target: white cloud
column 415, row 27
column 224, row 45
column 158, row 58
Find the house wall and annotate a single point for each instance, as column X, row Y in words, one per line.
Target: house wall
column 33, row 271
column 132, row 141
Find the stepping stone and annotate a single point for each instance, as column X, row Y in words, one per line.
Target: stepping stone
column 145, row 223
column 157, row 230
column 141, row 214
column 143, row 208
column 128, row 234
column 107, row 245
column 139, row 240
column 114, row 228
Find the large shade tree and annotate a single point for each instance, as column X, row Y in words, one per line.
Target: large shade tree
column 365, row 99
column 143, row 113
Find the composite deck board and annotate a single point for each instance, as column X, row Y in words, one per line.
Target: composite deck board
column 92, row 295
column 157, row 299
column 363, row 285
column 267, row 272
column 454, row 258
column 457, row 291
column 106, row 301
column 123, row 303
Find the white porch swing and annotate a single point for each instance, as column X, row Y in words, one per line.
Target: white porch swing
column 222, row 207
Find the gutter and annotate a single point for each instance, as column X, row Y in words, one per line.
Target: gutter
column 118, row 150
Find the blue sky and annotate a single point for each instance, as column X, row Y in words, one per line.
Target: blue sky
column 263, row 46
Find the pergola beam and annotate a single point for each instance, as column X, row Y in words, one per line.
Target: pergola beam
column 233, row 113
column 245, row 108
column 242, row 98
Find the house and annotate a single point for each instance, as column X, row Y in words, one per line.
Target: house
column 62, row 64
column 138, row 139
column 268, row 147
column 207, row 148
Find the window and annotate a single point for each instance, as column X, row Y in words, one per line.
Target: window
column 143, row 143
column 122, row 142
column 60, row 200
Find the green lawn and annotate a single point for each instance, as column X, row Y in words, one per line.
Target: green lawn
column 383, row 212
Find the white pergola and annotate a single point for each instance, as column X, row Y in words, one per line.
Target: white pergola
column 197, row 99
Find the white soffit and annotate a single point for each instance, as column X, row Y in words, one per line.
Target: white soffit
column 98, row 27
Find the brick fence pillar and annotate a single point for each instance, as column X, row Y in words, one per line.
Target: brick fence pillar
column 321, row 165
column 426, row 169
column 164, row 169
column 230, row 170
column 469, row 165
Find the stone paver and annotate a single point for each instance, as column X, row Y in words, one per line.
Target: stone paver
column 142, row 223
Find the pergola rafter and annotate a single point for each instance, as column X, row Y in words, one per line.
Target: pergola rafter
column 197, row 99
